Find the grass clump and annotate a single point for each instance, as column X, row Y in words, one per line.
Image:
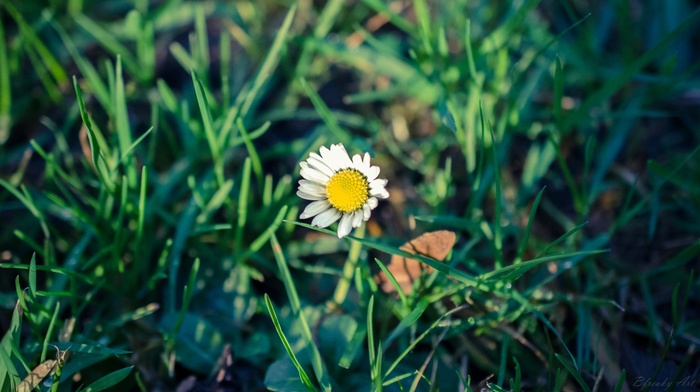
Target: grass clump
column 541, row 231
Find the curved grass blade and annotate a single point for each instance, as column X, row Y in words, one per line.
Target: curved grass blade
column 109, row 380
column 278, row 327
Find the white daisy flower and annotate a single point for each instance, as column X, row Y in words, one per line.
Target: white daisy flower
column 340, row 188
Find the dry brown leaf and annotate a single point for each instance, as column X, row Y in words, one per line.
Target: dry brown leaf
column 37, row 375
column 434, row 244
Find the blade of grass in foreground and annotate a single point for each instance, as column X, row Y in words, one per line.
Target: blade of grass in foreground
column 278, row 327
column 109, row 380
column 209, row 133
column 286, row 276
column 574, row 373
column 528, row 228
column 418, row 339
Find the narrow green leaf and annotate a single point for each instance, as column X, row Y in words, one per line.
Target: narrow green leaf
column 243, row 200
column 109, row 41
column 109, row 380
column 558, row 92
column 187, row 296
column 5, row 90
column 417, row 340
column 573, row 372
column 292, row 294
column 87, row 69
column 325, row 113
column 621, row 382
column 410, row 319
column 32, row 276
column 278, row 327
column 271, row 60
column 394, row 283
column 208, row 127
column 252, row 152
column 528, row 228
column 142, row 205
column 29, row 204
column 49, row 332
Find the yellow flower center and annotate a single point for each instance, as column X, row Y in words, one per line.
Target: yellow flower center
column 347, row 190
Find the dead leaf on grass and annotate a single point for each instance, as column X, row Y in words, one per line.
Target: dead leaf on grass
column 435, row 244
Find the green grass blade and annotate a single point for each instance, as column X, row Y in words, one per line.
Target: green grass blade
column 394, row 283
column 142, row 205
column 515, row 383
column 29, row 204
column 559, row 240
column 217, row 200
column 49, row 332
column 243, row 197
column 48, row 59
column 498, row 207
column 278, row 327
column 271, row 60
column 265, row 236
column 503, row 33
column 187, row 296
column 88, row 70
column 516, row 270
column 375, row 372
column 109, row 380
column 558, row 92
column 292, row 294
column 126, row 154
column 32, row 276
column 410, row 319
column 252, row 152
column 201, row 49
column 417, row 340
column 121, row 119
column 325, row 113
column 528, row 228
column 182, row 233
column 109, row 41
column 573, row 372
column 209, row 133
column 621, row 382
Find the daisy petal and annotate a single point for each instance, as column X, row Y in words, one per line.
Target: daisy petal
column 357, row 218
column 357, row 162
column 312, row 174
column 379, row 192
column 372, row 203
column 365, row 162
column 320, row 165
column 372, row 173
column 314, row 209
column 378, row 183
column 326, row 218
column 345, row 225
column 341, row 156
column 313, row 189
column 307, row 196
column 366, row 212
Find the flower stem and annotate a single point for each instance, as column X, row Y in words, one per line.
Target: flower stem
column 341, row 290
